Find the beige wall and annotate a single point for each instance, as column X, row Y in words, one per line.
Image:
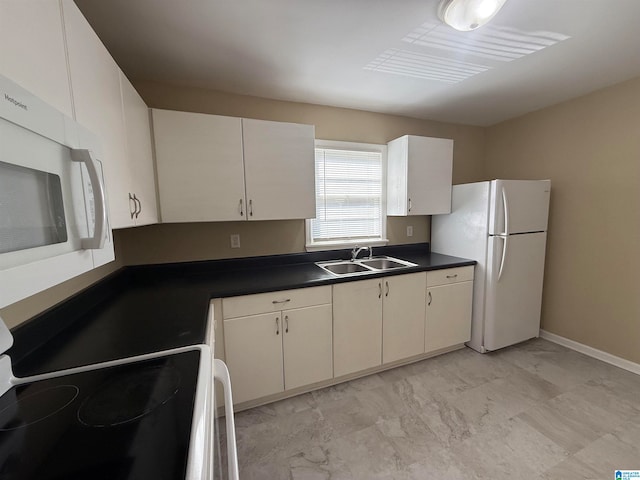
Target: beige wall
column 200, row 241
column 590, row 149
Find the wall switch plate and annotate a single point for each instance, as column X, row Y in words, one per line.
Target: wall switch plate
column 235, row 240
column 410, row 231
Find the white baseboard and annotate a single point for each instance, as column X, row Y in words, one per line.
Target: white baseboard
column 592, row 352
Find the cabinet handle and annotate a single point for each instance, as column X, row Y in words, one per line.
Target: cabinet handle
column 139, row 203
column 409, row 204
column 430, row 298
column 241, row 209
column 277, row 325
column 379, row 290
column 387, row 293
column 286, row 324
column 275, row 302
column 132, row 212
column 251, row 208
column 452, row 276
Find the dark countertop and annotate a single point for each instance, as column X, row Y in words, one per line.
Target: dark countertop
column 145, row 309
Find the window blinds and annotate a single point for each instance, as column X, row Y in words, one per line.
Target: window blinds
column 348, row 195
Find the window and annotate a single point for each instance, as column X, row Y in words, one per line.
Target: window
column 349, row 196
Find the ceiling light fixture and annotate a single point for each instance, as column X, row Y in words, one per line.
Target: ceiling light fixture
column 467, row 15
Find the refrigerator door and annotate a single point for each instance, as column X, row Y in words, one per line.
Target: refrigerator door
column 519, row 206
column 515, row 270
column 463, row 233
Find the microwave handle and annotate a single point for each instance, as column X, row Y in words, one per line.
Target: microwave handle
column 86, row 156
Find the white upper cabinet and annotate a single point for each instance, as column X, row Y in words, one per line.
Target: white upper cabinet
column 419, row 175
column 279, row 169
column 108, row 105
column 214, row 168
column 139, row 163
column 200, row 168
column 32, row 50
column 95, row 82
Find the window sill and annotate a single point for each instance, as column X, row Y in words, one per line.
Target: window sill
column 319, row 246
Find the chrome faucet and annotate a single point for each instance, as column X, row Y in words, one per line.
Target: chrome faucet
column 356, row 250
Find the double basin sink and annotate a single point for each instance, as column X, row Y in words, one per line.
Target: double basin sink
column 363, row 266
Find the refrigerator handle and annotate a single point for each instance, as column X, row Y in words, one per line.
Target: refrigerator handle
column 505, row 240
column 505, row 206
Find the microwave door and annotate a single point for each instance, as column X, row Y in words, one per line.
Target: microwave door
column 31, row 209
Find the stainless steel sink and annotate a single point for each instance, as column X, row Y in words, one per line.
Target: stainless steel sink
column 344, row 268
column 363, row 266
column 384, row 263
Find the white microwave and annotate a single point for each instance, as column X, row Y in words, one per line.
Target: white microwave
column 54, row 221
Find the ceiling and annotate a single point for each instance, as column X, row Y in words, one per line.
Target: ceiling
column 389, row 56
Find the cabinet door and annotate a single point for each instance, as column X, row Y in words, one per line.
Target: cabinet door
column 448, row 315
column 200, row 168
column 279, row 169
column 308, row 354
column 139, row 153
column 403, row 315
column 429, row 175
column 253, row 347
column 357, row 326
column 95, row 81
column 32, row 51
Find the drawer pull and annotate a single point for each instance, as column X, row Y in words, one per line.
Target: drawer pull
column 276, row 302
column 286, row 324
column 379, row 290
column 430, row 298
column 387, row 293
column 452, row 276
column 277, row 325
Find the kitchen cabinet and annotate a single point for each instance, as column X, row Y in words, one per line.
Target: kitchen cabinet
column 377, row 321
column 419, row 175
column 216, row 168
column 277, row 341
column 279, row 165
column 97, row 98
column 140, row 177
column 108, row 105
column 200, row 166
column 449, row 299
column 33, row 50
column 403, row 313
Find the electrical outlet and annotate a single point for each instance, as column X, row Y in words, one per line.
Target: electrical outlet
column 235, row 240
column 410, row 231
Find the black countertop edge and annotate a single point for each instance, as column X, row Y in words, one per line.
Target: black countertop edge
column 280, row 260
column 46, row 325
column 180, row 293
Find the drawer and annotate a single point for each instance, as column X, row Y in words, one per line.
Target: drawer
column 449, row 275
column 275, row 301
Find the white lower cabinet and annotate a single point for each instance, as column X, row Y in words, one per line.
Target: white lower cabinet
column 268, row 353
column 378, row 321
column 357, row 326
column 449, row 299
column 403, row 310
column 279, row 341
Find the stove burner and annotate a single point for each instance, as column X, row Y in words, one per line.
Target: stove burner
column 36, row 407
column 129, row 396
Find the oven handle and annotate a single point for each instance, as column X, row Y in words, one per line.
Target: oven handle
column 86, row 156
column 221, row 373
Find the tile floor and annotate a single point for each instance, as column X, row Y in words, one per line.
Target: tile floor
column 535, row 411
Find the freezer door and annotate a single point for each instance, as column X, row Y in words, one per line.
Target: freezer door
column 519, row 206
column 515, row 269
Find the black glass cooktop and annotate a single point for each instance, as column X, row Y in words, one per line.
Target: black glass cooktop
column 125, row 422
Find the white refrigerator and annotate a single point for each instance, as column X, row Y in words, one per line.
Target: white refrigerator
column 502, row 224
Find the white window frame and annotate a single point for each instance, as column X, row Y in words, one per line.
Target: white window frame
column 312, row 246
